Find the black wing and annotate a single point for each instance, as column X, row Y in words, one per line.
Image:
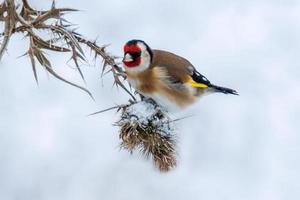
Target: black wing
column 199, row 78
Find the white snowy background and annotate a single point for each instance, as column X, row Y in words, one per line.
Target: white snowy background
column 245, row 147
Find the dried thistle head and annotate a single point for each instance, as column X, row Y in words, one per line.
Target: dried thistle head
column 145, row 127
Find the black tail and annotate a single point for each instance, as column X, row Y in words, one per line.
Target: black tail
column 223, row 90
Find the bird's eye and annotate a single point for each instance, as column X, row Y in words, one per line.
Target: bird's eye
column 136, row 54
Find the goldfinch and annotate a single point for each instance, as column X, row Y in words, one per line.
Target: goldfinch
column 170, row 80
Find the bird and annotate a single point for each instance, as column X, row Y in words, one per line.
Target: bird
column 168, row 79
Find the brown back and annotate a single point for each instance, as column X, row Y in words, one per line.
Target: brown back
column 177, row 67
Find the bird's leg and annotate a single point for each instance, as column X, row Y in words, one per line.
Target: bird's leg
column 150, row 100
column 141, row 96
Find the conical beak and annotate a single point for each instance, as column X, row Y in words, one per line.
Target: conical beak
column 127, row 58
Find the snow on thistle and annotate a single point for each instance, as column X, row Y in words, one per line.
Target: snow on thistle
column 146, row 127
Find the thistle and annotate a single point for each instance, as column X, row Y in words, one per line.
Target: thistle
column 146, row 127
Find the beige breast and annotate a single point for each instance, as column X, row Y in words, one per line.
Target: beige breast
column 153, row 83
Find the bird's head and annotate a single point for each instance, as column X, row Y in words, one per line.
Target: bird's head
column 137, row 56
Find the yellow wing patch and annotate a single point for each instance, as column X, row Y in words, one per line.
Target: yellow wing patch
column 195, row 84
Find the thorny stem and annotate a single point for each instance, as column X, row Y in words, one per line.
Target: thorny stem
column 7, row 7
column 116, row 70
column 28, row 20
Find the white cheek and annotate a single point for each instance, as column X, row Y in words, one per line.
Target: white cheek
column 145, row 63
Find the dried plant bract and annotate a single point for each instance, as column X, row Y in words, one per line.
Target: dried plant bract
column 146, row 127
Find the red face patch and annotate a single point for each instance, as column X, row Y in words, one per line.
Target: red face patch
column 133, row 63
column 134, row 51
column 131, row 48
